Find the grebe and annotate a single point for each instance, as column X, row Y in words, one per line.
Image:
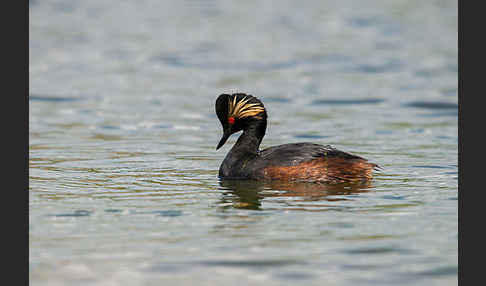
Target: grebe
column 290, row 162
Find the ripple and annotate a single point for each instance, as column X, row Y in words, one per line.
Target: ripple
column 165, row 213
column 431, row 105
column 440, row 271
column 377, row 250
column 310, row 136
column 113, row 210
column 393, row 197
column 77, row 213
column 294, row 275
column 364, row 21
column 187, row 62
column 105, row 137
column 361, row 267
column 251, row 263
column 277, row 99
column 368, row 237
column 387, row 67
column 348, row 101
column 449, row 112
column 53, row 98
column 430, row 166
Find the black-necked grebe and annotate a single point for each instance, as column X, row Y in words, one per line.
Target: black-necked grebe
column 291, row 162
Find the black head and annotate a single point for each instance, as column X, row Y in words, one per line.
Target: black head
column 237, row 112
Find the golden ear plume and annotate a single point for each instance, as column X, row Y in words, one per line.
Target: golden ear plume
column 241, row 109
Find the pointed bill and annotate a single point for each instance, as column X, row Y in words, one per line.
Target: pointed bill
column 223, row 140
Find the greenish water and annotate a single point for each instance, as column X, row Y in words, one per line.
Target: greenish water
column 123, row 186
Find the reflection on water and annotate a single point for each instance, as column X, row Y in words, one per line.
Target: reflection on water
column 248, row 194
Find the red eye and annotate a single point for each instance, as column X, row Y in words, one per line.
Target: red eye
column 231, row 120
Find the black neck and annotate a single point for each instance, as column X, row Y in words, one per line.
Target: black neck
column 252, row 136
column 249, row 141
column 247, row 144
column 245, row 148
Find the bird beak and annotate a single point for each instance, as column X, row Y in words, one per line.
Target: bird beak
column 225, row 137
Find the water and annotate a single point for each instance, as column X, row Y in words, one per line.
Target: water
column 123, row 186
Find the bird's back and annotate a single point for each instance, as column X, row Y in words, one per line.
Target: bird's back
column 308, row 162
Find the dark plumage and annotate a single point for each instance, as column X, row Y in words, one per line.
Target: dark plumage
column 296, row 162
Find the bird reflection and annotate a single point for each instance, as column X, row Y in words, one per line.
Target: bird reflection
column 248, row 194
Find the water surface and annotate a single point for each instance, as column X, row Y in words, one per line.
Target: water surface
column 123, row 186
